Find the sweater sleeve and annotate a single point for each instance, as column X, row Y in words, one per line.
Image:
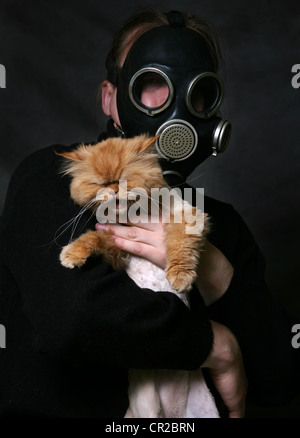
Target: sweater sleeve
column 261, row 325
column 93, row 313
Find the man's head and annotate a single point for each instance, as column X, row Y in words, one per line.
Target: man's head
column 166, row 83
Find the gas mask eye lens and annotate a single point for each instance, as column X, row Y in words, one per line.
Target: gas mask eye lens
column 204, row 95
column 150, row 90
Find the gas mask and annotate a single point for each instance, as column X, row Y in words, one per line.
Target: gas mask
column 168, row 87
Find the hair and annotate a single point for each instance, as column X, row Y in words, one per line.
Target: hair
column 146, row 19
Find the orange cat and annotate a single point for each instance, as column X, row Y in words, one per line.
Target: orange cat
column 113, row 172
column 117, row 177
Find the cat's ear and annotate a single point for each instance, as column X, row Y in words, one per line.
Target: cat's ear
column 73, row 160
column 146, row 142
column 76, row 155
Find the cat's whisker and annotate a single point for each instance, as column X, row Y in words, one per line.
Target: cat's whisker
column 78, row 217
column 64, row 228
column 83, row 225
column 191, row 180
column 74, row 221
column 144, row 210
column 158, row 204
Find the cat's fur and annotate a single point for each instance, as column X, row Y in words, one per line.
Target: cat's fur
column 101, row 167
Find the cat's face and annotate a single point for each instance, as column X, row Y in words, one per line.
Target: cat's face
column 114, row 168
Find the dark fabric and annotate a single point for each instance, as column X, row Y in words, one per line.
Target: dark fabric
column 248, row 308
column 72, row 334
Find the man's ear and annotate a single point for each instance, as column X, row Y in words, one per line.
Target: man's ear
column 107, row 89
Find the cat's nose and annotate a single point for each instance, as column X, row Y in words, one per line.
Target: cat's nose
column 115, row 188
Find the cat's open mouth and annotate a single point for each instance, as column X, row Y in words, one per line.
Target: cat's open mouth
column 116, row 205
column 122, row 205
column 122, row 210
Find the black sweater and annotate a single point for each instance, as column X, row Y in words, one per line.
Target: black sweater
column 72, row 334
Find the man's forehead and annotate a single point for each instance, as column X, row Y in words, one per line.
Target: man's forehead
column 171, row 46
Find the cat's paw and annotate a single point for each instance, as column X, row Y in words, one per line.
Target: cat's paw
column 117, row 258
column 180, row 280
column 69, row 258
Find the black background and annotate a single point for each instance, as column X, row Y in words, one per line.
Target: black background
column 54, row 52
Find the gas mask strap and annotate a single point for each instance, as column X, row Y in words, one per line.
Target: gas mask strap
column 119, row 130
column 175, row 18
column 112, row 70
column 114, row 130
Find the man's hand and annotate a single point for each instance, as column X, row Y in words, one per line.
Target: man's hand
column 147, row 240
column 214, row 274
column 227, row 370
column 143, row 239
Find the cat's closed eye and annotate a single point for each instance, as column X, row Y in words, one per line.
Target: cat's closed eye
column 110, row 183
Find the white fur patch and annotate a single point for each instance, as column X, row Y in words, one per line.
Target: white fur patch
column 165, row 393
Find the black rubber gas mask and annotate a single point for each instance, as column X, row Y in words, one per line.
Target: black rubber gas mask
column 168, row 86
